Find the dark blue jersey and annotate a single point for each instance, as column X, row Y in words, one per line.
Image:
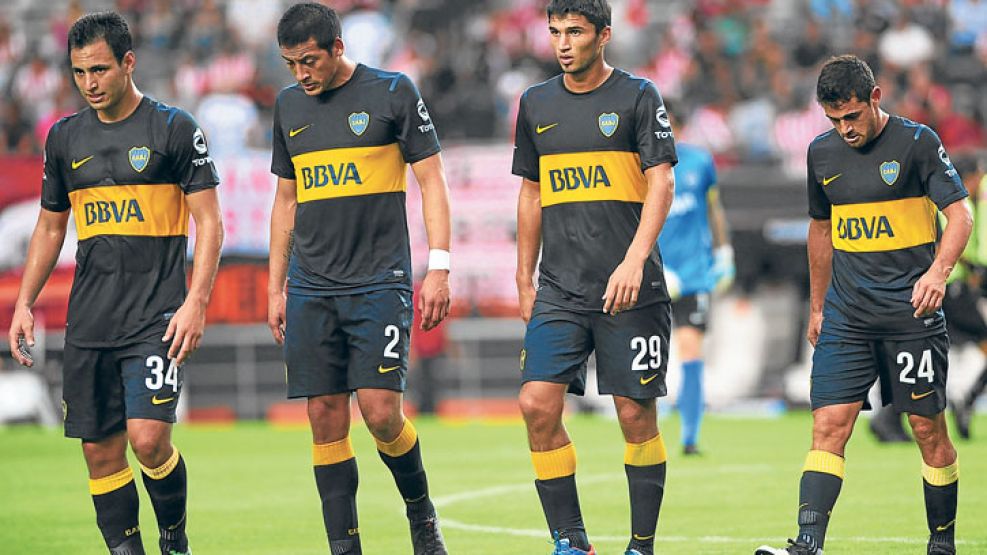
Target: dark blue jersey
column 347, row 150
column 882, row 201
column 588, row 152
column 126, row 184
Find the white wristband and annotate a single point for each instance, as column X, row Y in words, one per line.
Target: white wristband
column 438, row 259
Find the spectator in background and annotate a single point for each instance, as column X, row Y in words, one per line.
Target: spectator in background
column 35, row 85
column 968, row 20
column 906, row 44
column 15, row 130
column 11, row 50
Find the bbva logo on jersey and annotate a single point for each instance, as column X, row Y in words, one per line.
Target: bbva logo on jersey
column 108, row 211
column 608, row 123
column 359, row 121
column 139, row 157
column 874, row 227
column 890, row 171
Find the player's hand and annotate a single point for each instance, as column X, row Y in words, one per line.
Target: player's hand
column 22, row 335
column 185, row 330
column 526, row 294
column 623, row 287
column 275, row 316
column 815, row 326
column 433, row 298
column 724, row 270
column 928, row 292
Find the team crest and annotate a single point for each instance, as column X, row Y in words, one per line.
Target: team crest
column 890, row 171
column 359, row 121
column 139, row 157
column 608, row 123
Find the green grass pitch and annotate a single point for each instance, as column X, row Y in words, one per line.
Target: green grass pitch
column 252, row 491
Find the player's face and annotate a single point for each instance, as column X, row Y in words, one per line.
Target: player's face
column 314, row 68
column 101, row 79
column 577, row 44
column 857, row 121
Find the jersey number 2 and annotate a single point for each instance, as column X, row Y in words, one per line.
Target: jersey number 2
column 394, row 333
column 924, row 367
column 159, row 378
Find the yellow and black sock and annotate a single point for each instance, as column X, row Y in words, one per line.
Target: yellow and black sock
column 822, row 479
column 644, row 464
column 941, row 486
column 403, row 457
column 166, row 485
column 556, row 484
column 116, row 503
column 336, row 478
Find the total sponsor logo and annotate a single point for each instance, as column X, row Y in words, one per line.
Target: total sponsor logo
column 427, row 124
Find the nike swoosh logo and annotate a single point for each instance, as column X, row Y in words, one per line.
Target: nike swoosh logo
column 643, row 538
column 156, row 401
column 946, row 526
column 646, row 381
column 922, row 396
column 77, row 165
column 541, row 129
column 383, row 370
column 828, row 180
column 293, row 132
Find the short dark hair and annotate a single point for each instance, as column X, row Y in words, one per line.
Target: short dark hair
column 843, row 78
column 596, row 11
column 109, row 26
column 309, row 20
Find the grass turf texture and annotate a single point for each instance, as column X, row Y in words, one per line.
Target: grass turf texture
column 252, row 491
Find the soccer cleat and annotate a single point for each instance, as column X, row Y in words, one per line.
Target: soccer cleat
column 426, row 538
column 174, row 544
column 962, row 415
column 633, row 552
column 562, row 547
column 132, row 546
column 794, row 548
column 690, row 450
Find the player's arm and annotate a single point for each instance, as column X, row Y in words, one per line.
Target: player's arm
column 820, row 248
column 931, row 287
column 723, row 267
column 187, row 325
column 282, row 236
column 42, row 254
column 625, row 281
column 434, row 293
column 528, row 244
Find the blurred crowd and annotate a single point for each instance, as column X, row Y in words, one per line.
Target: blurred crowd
column 743, row 70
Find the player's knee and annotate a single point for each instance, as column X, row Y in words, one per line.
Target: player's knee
column 152, row 449
column 831, row 434
column 383, row 420
column 101, row 456
column 924, row 429
column 537, row 412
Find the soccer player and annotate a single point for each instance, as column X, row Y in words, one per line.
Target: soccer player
column 340, row 268
column 695, row 248
column 595, row 153
column 131, row 169
column 877, row 278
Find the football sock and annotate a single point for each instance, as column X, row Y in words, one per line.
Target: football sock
column 336, row 478
column 941, row 486
column 556, row 484
column 691, row 400
column 644, row 464
column 822, row 478
column 116, row 503
column 166, row 486
column 403, row 457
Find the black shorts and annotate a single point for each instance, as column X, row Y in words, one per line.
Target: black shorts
column 691, row 311
column 964, row 322
column 103, row 388
column 912, row 372
column 347, row 342
column 631, row 349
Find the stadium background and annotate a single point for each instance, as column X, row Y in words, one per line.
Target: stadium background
column 742, row 71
